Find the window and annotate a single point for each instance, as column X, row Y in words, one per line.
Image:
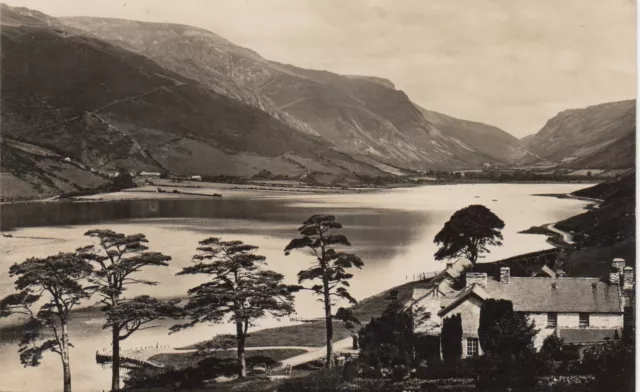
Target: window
column 552, row 320
column 472, row 347
column 584, row 320
column 427, row 315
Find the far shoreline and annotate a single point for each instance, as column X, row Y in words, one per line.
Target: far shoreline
column 218, row 189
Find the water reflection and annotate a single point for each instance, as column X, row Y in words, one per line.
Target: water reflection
column 362, row 225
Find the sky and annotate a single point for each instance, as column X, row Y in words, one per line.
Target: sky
column 509, row 63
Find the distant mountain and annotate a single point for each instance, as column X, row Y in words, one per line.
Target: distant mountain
column 104, row 106
column 362, row 116
column 600, row 136
column 477, row 139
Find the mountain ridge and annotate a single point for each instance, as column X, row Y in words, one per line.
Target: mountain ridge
column 597, row 136
column 361, row 115
column 106, row 107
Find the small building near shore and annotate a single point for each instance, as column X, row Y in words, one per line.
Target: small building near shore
column 582, row 311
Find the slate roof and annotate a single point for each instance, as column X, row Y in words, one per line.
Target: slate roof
column 587, row 335
column 569, row 295
column 537, row 294
column 474, row 289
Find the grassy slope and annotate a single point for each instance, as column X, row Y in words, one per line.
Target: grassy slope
column 605, row 232
column 313, row 333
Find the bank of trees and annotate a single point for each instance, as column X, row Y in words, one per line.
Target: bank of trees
column 239, row 288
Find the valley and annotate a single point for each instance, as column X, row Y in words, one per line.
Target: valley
column 178, row 99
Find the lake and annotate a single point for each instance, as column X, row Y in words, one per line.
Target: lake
column 391, row 230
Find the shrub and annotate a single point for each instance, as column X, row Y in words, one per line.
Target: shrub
column 371, row 372
column 612, row 365
column 399, row 372
column 388, row 340
column 325, row 380
column 191, row 377
column 350, row 371
column 451, row 338
column 565, row 381
column 463, row 369
column 427, row 348
column 553, row 348
column 502, row 331
column 515, row 372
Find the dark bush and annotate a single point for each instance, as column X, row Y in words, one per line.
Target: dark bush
column 451, row 338
column 553, row 348
column 191, row 377
column 515, row 372
column 388, row 340
column 371, row 372
column 350, row 371
column 465, row 368
column 612, row 365
column 427, row 348
column 325, row 380
column 399, row 372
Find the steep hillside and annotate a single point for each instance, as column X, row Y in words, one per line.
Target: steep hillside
column 28, row 171
column 360, row 115
column 604, row 232
column 480, row 139
column 600, row 136
column 104, row 107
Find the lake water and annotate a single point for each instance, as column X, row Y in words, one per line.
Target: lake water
column 391, row 230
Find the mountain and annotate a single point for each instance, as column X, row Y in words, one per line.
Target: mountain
column 103, row 106
column 365, row 117
column 483, row 140
column 31, row 171
column 600, row 136
column 605, row 232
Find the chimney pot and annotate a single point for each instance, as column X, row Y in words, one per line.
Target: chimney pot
column 614, row 277
column 505, row 275
column 618, row 264
column 628, row 278
column 479, row 278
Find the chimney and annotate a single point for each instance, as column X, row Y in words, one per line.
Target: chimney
column 618, row 264
column 628, row 278
column 505, row 275
column 614, row 277
column 479, row 278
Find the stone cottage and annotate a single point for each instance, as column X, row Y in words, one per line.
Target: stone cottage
column 582, row 311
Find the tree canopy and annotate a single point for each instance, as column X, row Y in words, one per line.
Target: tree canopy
column 468, row 233
column 117, row 259
column 55, row 284
column 240, row 290
column 318, row 234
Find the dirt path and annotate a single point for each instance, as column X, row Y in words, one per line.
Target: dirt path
column 317, row 353
column 566, row 237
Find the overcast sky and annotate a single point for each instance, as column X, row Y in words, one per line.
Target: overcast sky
column 509, row 63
